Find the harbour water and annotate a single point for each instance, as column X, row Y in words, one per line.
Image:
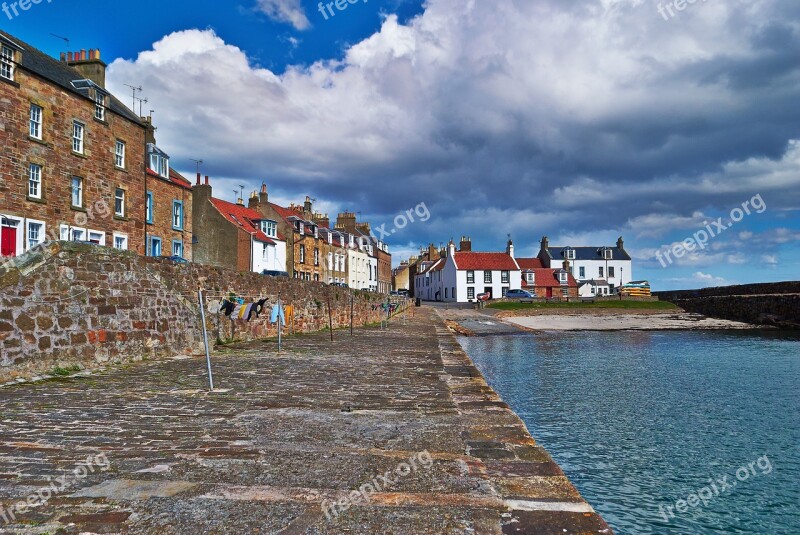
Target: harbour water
column 662, row 432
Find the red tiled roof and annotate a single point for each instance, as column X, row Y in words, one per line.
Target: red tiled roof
column 179, row 179
column 530, row 263
column 546, row 278
column 242, row 217
column 485, row 261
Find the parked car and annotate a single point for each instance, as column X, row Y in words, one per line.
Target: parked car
column 519, row 294
column 270, row 273
column 177, row 259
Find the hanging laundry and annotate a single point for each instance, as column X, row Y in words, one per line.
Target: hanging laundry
column 239, row 300
column 289, row 311
column 243, row 312
column 227, row 307
column 214, row 306
column 277, row 313
column 255, row 310
column 259, row 308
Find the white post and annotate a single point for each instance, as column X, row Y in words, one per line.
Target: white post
column 205, row 338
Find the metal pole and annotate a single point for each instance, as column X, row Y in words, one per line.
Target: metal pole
column 205, row 339
column 280, row 309
column 330, row 315
column 352, row 298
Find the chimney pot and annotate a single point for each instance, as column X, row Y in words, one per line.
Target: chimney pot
column 63, row 57
column 206, row 180
column 69, row 57
column 83, row 54
column 263, row 187
column 198, row 178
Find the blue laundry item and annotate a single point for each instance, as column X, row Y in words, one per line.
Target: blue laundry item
column 277, row 313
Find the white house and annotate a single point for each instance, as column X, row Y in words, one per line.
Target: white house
column 463, row 275
column 594, row 288
column 358, row 260
column 611, row 264
column 269, row 250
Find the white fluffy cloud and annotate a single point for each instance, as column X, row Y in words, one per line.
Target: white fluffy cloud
column 550, row 117
column 289, row 11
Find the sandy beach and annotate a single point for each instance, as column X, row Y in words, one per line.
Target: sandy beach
column 624, row 322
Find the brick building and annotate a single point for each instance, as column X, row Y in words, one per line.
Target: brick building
column 168, row 204
column 72, row 156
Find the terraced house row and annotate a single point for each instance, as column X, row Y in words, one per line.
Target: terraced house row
column 77, row 164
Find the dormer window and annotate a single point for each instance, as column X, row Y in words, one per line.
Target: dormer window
column 270, row 228
column 569, row 254
column 159, row 161
column 99, row 105
column 529, row 277
column 7, row 62
column 608, row 254
column 563, row 277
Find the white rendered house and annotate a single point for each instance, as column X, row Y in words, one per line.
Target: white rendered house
column 610, row 264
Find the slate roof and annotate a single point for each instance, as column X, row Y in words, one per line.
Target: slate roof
column 242, row 217
column 62, row 75
column 588, row 253
column 485, row 262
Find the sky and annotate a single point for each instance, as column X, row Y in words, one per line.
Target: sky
column 581, row 120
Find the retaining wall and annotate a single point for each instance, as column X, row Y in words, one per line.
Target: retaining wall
column 69, row 304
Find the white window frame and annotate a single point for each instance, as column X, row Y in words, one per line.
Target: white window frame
column 94, row 233
column 79, row 192
column 471, row 292
column 608, row 254
column 99, row 106
column 42, row 232
column 570, row 254
column 36, row 121
column 265, row 252
column 119, row 154
column 177, row 215
column 120, row 236
column 121, row 199
column 7, row 62
column 175, row 251
column 78, row 136
column 72, row 233
column 34, row 180
column 159, row 165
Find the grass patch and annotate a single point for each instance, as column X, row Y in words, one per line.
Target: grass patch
column 65, row 372
column 622, row 305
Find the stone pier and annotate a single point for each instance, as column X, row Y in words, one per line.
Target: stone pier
column 388, row 431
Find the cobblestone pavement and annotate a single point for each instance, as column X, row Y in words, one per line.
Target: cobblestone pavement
column 285, row 436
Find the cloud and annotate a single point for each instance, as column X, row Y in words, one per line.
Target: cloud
column 529, row 118
column 289, row 11
column 709, row 280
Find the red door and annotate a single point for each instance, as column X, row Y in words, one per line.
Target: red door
column 549, row 293
column 8, row 241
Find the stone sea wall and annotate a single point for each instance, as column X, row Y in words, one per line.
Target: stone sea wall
column 72, row 304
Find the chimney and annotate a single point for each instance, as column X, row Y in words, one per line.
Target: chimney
column 150, row 133
column 89, row 65
column 198, row 178
column 201, row 193
column 322, row 220
column 451, row 248
column 620, row 243
column 253, row 203
column 263, row 196
column 545, row 243
column 433, row 253
column 308, row 208
column 346, row 221
column 510, row 249
column 466, row 244
column 240, row 201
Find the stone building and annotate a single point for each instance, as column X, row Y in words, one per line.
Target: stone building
column 234, row 235
column 400, row 275
column 168, row 204
column 73, row 156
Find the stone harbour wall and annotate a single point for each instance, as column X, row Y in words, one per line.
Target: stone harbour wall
column 73, row 304
column 770, row 304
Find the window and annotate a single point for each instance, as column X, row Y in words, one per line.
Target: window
column 270, row 228
column 119, row 202
column 600, row 271
column 565, row 292
column 470, row 277
column 98, row 238
column 302, row 254
column 505, row 290
column 563, row 277
column 316, row 257
column 177, row 215
column 77, row 192
column 608, row 254
column 70, row 233
column 120, row 241
column 504, row 277
column 155, row 246
column 470, row 293
column 177, row 248
column 569, row 254
column 77, row 137
column 487, row 277
column 7, row 63
column 35, row 181
column 446, row 293
column 99, row 106
column 119, row 154
column 611, row 272
column 148, row 207
column 35, row 233
column 265, row 252
column 529, row 277
column 159, row 164
column 582, row 272
column 36, row 122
